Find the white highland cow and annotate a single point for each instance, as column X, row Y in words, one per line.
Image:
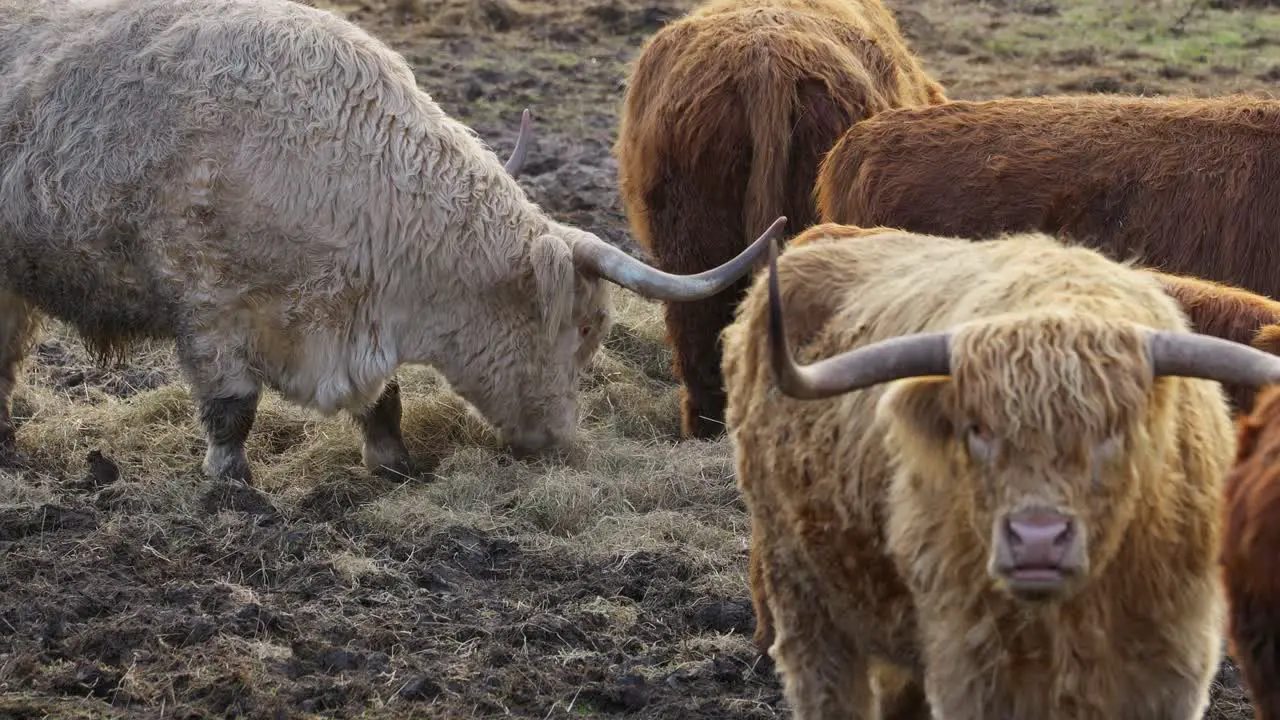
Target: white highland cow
column 265, row 184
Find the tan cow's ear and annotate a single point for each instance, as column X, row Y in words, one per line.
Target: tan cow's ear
column 921, row 407
column 553, row 273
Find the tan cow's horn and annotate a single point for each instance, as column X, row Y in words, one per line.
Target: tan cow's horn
column 900, row 357
column 599, row 257
column 1211, row 358
column 515, row 163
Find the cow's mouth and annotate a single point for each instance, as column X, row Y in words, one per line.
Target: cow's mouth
column 1037, row 574
column 1036, row 582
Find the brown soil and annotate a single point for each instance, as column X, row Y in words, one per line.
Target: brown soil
column 608, row 582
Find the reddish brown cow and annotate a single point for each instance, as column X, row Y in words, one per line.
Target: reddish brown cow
column 1251, row 539
column 1186, row 185
column 728, row 113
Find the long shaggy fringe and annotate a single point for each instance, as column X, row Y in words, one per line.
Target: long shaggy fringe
column 1058, row 372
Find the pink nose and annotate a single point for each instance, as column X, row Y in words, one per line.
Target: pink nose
column 1039, row 539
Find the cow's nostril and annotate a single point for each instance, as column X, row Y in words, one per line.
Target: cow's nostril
column 1011, row 533
column 1068, row 532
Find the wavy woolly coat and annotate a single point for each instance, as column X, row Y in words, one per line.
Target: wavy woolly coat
column 265, row 183
column 1185, row 185
column 728, row 112
column 1250, row 541
column 869, row 525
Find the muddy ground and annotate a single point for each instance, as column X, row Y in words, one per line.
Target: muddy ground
column 612, row 583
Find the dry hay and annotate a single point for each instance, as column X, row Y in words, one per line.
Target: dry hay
column 627, row 540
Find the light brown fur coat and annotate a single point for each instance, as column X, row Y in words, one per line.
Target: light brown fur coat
column 870, row 524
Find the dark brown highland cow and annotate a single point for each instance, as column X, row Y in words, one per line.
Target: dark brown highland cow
column 728, row 113
column 1250, row 540
column 1187, row 185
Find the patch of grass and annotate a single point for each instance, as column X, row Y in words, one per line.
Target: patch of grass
column 1183, row 47
column 1242, row 39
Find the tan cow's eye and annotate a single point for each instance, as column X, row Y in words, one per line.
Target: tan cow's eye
column 980, row 441
column 980, row 432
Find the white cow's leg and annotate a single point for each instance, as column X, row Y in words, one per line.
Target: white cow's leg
column 227, row 393
column 384, row 451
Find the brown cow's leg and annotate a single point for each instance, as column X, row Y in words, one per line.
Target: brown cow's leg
column 823, row 676
column 384, row 451
column 695, row 334
column 17, row 331
column 763, row 636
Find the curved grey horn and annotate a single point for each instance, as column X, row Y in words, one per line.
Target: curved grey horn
column 900, row 357
column 599, row 257
column 1211, row 358
column 515, row 163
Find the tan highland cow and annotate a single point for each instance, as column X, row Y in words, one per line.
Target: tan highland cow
column 728, row 113
column 995, row 493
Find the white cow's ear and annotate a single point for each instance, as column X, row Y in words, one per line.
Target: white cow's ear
column 919, row 406
column 553, row 274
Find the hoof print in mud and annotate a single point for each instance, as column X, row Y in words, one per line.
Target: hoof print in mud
column 420, row 689
column 629, row 694
column 102, row 470
column 334, row 498
column 235, row 496
column 724, row 616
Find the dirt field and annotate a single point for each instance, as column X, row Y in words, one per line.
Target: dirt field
column 612, row 582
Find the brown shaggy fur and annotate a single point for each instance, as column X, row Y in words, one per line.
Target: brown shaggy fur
column 1250, row 547
column 1213, row 308
column 728, row 113
column 1185, row 185
column 871, row 524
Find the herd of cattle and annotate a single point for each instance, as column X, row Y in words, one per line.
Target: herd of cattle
column 977, row 404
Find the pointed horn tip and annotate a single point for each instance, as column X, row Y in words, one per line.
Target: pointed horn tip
column 516, row 161
column 777, row 332
column 769, row 237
